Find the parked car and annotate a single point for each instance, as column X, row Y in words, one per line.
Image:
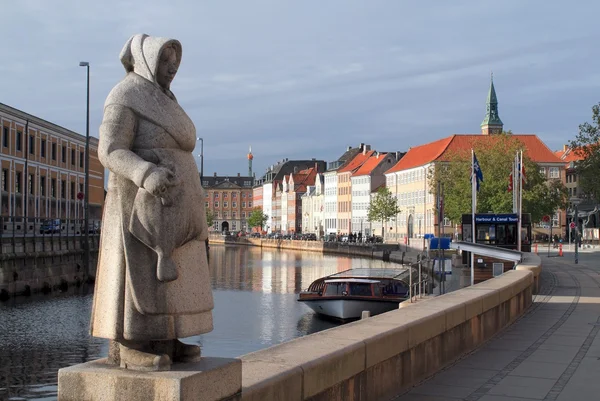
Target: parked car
column 51, row 226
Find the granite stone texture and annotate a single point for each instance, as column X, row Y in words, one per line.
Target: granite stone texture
column 152, row 283
column 211, row 379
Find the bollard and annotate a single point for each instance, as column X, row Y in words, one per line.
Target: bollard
column 365, row 314
column 560, row 253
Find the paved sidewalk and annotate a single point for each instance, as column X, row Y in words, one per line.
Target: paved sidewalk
column 552, row 353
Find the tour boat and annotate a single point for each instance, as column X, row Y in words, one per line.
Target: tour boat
column 347, row 294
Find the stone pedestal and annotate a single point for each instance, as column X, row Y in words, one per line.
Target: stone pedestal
column 211, row 379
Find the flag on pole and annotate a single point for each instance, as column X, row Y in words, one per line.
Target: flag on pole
column 510, row 182
column 476, row 171
column 522, row 169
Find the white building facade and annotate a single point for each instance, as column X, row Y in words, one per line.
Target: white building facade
column 330, row 202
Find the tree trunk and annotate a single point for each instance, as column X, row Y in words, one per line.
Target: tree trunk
column 382, row 230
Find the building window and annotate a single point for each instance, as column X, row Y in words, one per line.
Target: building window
column 243, row 204
column 63, row 189
column 543, row 171
column 81, row 159
column 205, row 204
column 64, row 154
column 224, row 195
column 556, row 220
column 30, row 184
column 5, row 135
column 233, row 204
column 18, row 182
column 53, row 187
column 42, row 186
column 234, row 195
column 43, row 148
column 243, row 195
column 554, row 172
column 243, row 215
column 5, row 180
column 233, row 215
column 72, row 190
column 73, row 157
column 216, row 195
column 249, row 204
column 31, row 145
column 53, row 151
column 205, row 183
column 216, row 225
column 206, row 194
column 81, row 188
column 19, row 140
column 233, row 226
column 216, row 204
column 224, row 204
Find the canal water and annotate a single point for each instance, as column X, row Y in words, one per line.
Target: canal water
column 255, row 293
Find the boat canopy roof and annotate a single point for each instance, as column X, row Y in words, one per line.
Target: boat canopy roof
column 389, row 273
column 352, row 280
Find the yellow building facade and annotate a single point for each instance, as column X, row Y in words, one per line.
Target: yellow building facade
column 43, row 169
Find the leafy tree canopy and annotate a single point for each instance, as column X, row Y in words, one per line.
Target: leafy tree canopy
column 383, row 206
column 495, row 156
column 587, row 145
column 210, row 217
column 257, row 218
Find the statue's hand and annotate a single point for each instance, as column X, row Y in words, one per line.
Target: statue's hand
column 159, row 181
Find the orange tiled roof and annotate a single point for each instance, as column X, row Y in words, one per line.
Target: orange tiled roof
column 369, row 165
column 358, row 161
column 535, row 149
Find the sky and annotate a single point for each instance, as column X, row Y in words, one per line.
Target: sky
column 299, row 79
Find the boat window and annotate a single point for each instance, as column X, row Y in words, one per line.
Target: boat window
column 360, row 289
column 335, row 288
column 376, row 290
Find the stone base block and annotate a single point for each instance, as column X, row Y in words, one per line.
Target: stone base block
column 211, row 379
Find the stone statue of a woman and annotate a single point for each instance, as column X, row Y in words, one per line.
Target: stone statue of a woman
column 152, row 281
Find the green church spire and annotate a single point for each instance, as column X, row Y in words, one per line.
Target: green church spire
column 491, row 123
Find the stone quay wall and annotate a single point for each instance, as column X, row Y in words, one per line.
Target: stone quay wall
column 382, row 356
column 44, row 264
column 363, row 250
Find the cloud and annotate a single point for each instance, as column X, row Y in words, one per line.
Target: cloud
column 308, row 78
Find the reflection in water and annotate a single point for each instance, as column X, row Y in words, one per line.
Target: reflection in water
column 255, row 307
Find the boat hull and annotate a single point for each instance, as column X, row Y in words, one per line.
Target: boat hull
column 349, row 308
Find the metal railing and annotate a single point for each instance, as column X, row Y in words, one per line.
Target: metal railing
column 65, row 234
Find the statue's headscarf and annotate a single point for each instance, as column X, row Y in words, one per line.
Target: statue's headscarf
column 141, row 54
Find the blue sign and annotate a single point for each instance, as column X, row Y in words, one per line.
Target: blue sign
column 428, row 236
column 435, row 243
column 496, row 218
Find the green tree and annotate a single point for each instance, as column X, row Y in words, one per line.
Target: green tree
column 587, row 145
column 382, row 207
column 495, row 156
column 210, row 217
column 257, row 218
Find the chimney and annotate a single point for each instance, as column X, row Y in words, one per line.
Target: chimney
column 368, row 147
column 349, row 148
column 377, row 154
column 361, row 146
column 565, row 148
column 295, row 169
column 364, row 150
column 316, row 166
column 215, row 174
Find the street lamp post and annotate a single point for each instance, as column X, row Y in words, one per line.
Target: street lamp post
column 201, row 158
column 86, row 189
column 575, row 202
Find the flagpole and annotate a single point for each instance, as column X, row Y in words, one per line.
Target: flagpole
column 473, row 210
column 519, row 224
column 515, row 184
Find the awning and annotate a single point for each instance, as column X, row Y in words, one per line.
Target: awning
column 488, row 250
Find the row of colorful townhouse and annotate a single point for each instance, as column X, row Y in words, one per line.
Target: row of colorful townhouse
column 312, row 196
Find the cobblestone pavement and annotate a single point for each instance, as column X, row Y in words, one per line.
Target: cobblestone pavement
column 551, row 353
